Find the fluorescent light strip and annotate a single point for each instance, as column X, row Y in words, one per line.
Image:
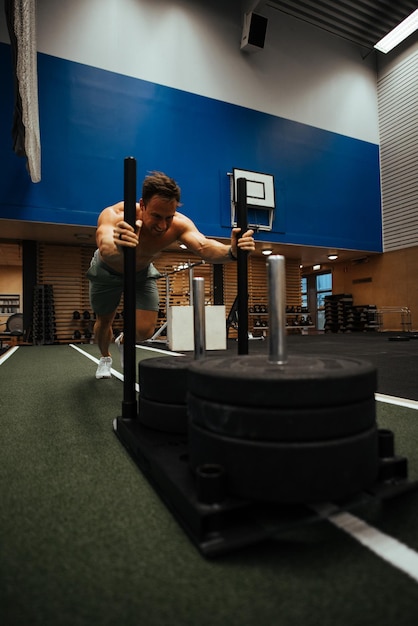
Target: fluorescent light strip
column 399, row 33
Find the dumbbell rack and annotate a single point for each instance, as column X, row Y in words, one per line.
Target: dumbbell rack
column 43, row 315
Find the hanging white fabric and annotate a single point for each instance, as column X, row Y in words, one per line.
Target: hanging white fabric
column 27, row 81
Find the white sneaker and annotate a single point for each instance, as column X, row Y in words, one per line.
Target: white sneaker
column 118, row 342
column 104, row 367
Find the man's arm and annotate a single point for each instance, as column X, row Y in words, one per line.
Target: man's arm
column 113, row 233
column 213, row 251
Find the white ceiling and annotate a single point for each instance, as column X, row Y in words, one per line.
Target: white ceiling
column 363, row 22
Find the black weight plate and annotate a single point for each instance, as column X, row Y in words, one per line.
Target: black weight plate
column 170, row 418
column 14, row 324
column 277, row 424
column 304, row 381
column 164, row 379
column 289, row 472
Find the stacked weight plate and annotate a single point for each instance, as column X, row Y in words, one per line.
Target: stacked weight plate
column 304, row 431
column 163, row 390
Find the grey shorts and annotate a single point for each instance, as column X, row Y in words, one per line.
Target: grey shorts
column 106, row 287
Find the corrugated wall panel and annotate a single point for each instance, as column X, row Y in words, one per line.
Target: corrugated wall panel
column 398, row 118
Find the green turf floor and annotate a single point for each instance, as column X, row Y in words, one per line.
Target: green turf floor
column 85, row 540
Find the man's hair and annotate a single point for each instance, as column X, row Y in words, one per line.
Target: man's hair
column 159, row 184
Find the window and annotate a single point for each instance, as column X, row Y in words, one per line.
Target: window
column 323, row 289
column 304, row 292
column 314, row 288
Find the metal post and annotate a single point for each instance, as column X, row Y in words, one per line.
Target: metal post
column 277, row 309
column 191, row 278
column 167, row 294
column 242, row 269
column 129, row 407
column 199, row 318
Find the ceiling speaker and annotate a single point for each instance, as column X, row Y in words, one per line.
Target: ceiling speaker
column 253, row 32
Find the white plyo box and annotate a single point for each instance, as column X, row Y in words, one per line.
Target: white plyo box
column 180, row 332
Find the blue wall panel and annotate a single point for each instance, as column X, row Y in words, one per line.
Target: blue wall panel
column 327, row 185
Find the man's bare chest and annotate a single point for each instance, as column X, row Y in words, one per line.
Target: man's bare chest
column 149, row 248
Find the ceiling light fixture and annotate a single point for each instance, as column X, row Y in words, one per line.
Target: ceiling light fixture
column 408, row 26
column 267, row 251
column 316, row 267
column 333, row 256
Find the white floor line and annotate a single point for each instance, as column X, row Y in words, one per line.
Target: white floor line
column 116, row 374
column 409, row 404
column 387, row 548
column 159, row 350
column 8, row 354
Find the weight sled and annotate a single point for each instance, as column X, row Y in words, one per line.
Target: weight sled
column 218, row 523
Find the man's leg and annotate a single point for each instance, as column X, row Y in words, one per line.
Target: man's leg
column 105, row 290
column 145, row 326
column 146, row 322
column 103, row 332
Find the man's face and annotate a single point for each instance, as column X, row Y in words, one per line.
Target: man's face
column 158, row 215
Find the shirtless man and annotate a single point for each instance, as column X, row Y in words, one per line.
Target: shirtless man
column 158, row 225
